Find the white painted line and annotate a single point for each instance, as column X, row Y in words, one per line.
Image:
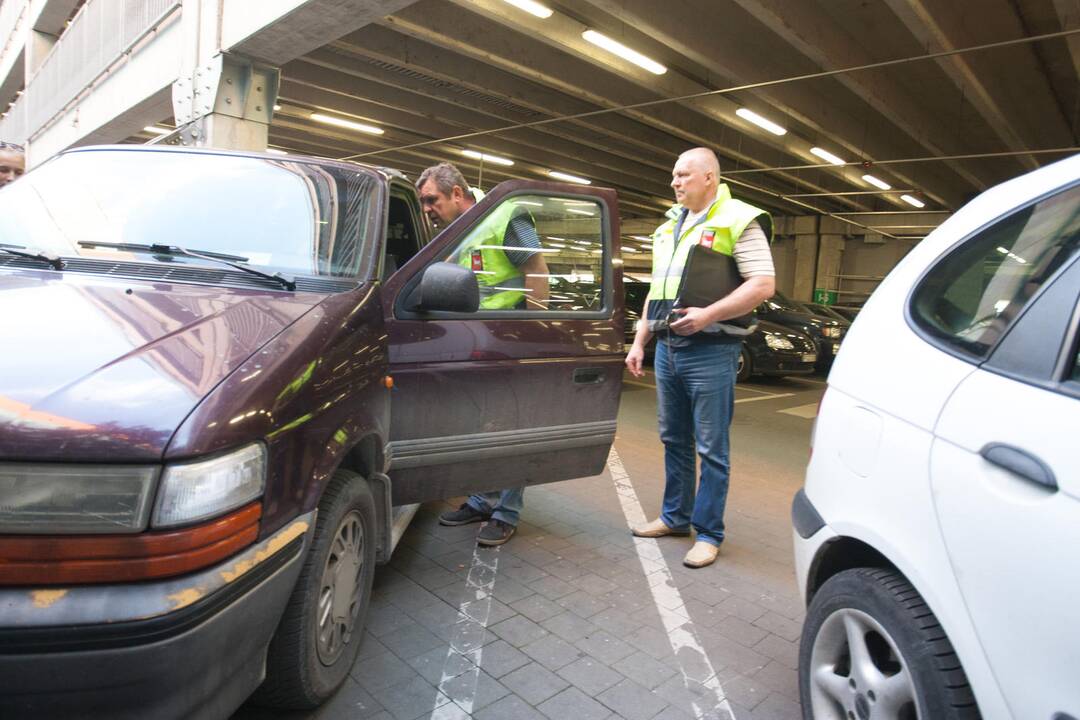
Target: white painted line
column 638, row 384
column 698, row 674
column 804, row 411
column 461, row 669
column 750, row 389
column 765, row 397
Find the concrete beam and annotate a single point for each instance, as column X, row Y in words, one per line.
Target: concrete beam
column 277, row 31
column 1033, row 118
column 1068, row 13
column 563, row 33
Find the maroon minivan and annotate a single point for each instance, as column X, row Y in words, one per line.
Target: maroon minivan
column 222, row 373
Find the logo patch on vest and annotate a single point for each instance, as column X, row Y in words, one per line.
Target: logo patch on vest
column 477, row 261
column 707, row 238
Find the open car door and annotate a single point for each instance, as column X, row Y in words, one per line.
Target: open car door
column 525, row 389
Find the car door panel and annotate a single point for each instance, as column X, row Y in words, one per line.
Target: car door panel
column 1011, row 540
column 495, row 400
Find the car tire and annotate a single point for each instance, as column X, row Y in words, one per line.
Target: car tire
column 308, row 659
column 910, row 668
column 745, row 367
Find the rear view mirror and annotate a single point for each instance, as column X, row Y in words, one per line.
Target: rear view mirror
column 448, row 287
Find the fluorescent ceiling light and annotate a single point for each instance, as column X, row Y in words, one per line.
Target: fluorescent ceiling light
column 275, row 151
column 911, row 200
column 753, row 117
column 642, row 238
column 533, row 8
column 156, row 130
column 559, row 239
column 826, row 156
column 276, row 108
column 877, row 182
column 487, row 158
column 617, row 48
column 628, row 249
column 568, row 177
column 342, row 122
column 579, row 212
column 528, row 202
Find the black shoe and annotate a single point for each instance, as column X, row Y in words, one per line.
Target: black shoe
column 495, row 532
column 463, row 516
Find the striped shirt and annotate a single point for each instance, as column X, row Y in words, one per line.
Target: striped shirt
column 751, row 253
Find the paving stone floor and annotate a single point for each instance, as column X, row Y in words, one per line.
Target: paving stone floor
column 573, row 629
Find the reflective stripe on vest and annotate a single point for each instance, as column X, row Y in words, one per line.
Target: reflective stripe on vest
column 718, row 230
column 501, row 283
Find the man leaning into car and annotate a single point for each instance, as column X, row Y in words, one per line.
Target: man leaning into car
column 697, row 352
column 512, row 276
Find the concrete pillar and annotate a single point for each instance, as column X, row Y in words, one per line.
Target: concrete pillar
column 220, row 99
column 38, row 45
column 830, row 253
column 806, row 251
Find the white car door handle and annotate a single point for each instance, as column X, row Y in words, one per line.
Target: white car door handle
column 1020, row 462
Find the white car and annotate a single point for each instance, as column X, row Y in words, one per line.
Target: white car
column 937, row 539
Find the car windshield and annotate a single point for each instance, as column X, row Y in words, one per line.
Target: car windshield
column 285, row 215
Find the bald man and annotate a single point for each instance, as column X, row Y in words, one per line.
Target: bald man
column 697, row 350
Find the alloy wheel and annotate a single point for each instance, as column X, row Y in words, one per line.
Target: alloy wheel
column 856, row 672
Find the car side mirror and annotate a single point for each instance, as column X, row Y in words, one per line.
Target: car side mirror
column 445, row 286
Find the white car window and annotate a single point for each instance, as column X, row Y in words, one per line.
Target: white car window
column 971, row 297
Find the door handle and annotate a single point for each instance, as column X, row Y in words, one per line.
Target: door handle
column 589, row 376
column 1020, row 462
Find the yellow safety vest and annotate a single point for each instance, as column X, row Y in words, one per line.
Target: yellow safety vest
column 719, row 230
column 483, row 254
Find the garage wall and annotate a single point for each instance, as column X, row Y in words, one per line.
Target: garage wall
column 783, row 251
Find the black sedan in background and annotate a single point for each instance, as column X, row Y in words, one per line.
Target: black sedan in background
column 826, row 332
column 776, row 350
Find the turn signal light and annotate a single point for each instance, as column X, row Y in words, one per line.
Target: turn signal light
column 84, row 559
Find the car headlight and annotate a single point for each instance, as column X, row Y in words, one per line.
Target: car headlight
column 194, row 491
column 778, row 342
column 54, row 499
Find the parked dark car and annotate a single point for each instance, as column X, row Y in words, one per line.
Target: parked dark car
column 636, row 292
column 827, row 311
column 776, row 351
column 221, row 373
column 848, row 313
column 826, row 332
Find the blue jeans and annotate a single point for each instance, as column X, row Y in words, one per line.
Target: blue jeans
column 695, row 388
column 503, row 505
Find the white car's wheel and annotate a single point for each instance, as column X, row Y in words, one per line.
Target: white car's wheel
column 871, row 649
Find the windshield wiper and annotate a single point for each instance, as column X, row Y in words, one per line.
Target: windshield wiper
column 23, row 251
column 234, row 261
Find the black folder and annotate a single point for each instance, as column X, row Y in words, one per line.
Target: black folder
column 707, row 277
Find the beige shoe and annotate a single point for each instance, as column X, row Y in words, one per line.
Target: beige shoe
column 701, row 554
column 656, row 529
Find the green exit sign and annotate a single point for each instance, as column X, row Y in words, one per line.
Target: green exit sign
column 825, row 297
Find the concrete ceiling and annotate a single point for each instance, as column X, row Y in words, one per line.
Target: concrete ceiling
column 440, row 69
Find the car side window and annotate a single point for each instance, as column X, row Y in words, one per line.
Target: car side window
column 968, row 300
column 537, row 252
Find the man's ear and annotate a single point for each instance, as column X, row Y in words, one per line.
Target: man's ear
column 457, row 194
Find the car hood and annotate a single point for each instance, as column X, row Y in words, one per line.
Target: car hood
column 800, row 321
column 97, row 369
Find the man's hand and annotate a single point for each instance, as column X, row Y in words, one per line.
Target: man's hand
column 694, row 319
column 634, row 359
